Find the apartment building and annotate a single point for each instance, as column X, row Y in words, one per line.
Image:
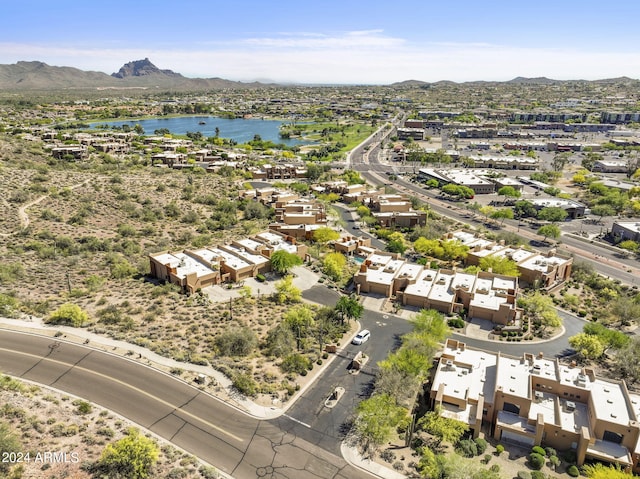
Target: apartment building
column 532, row 400
column 542, row 269
column 238, row 260
column 482, row 295
column 350, row 245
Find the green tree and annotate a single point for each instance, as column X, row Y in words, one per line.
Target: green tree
column 509, row 192
column 299, row 319
column 553, row 214
column 431, row 323
column 525, row 209
column 377, row 419
column 132, row 457
column 324, row 234
column 69, row 314
column 458, row 191
column 541, row 311
column 502, row 214
column 333, row 265
column 349, row 307
column 499, row 265
column 282, row 261
column 443, row 428
column 286, row 292
column 549, row 231
column 588, row 346
column 603, row 210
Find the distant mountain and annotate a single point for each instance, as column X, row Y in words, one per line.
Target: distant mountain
column 533, row 81
column 143, row 68
column 410, row 84
column 139, row 74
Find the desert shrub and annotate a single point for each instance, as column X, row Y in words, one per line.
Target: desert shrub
column 524, row 475
column 538, row 475
column 83, row 406
column 573, row 470
column 296, row 363
column 499, row 449
column 481, row 445
column 550, row 451
column 539, row 450
column 536, row 461
column 245, row 384
column 456, row 323
column 467, row 448
column 236, row 342
column 69, row 314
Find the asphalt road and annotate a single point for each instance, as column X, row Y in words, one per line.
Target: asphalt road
column 200, row 424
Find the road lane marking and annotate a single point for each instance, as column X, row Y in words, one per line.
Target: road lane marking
column 297, row 420
column 118, row 381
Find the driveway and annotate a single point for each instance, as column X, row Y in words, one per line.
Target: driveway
column 303, row 278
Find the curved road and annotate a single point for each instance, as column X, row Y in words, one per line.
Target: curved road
column 200, row 424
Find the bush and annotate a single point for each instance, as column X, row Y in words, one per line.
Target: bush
column 236, row 342
column 467, row 448
column 481, row 444
column 499, row 449
column 539, row 450
column 538, row 475
column 260, row 277
column 245, row 384
column 550, row 451
column 69, row 314
column 524, row 475
column 573, row 470
column 296, row 363
column 456, row 323
column 536, row 461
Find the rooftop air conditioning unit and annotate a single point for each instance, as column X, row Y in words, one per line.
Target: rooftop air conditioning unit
column 571, row 406
column 538, row 395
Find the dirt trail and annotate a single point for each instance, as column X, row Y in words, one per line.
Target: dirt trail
column 22, row 211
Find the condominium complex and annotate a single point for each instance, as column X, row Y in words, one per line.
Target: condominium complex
column 541, row 269
column 235, row 261
column 533, row 400
column 482, row 295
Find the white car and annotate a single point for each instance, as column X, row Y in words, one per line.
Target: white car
column 361, row 337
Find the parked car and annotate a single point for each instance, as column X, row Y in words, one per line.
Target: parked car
column 361, row 337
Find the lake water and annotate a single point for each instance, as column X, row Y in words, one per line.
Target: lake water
column 239, row 129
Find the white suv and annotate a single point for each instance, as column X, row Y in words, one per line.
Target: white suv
column 361, row 337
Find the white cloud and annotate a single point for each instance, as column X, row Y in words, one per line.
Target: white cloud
column 367, row 56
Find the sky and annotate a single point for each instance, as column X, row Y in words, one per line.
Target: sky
column 331, row 41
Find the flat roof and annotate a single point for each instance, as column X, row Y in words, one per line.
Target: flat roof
column 470, row 375
column 513, row 376
column 423, row 284
column 441, row 288
column 188, row 265
column 230, row 260
column 247, row 256
column 610, row 403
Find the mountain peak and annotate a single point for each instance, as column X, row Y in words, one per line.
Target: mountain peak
column 142, row 68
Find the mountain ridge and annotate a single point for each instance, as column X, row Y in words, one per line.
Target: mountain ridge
column 143, row 74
